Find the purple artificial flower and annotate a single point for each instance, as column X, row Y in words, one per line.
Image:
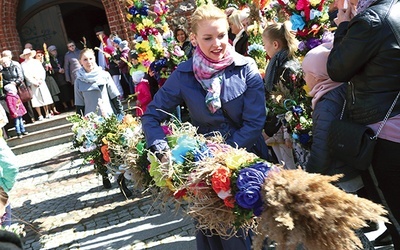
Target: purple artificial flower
column 327, row 37
column 302, row 46
column 313, row 42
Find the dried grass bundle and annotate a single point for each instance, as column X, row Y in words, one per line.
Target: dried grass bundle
column 307, row 208
column 205, row 206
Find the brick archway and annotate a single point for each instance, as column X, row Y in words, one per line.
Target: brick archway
column 115, row 11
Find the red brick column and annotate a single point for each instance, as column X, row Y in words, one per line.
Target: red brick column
column 9, row 38
column 116, row 15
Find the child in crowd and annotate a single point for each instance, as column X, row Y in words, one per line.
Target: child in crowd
column 142, row 91
column 327, row 102
column 280, row 45
column 16, row 107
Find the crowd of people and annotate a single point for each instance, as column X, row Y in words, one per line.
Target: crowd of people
column 223, row 91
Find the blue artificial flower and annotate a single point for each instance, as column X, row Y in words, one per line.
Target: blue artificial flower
column 304, row 138
column 262, row 167
column 297, row 22
column 249, row 182
column 144, row 11
column 297, row 109
column 201, row 153
column 184, row 145
column 249, row 175
column 249, row 197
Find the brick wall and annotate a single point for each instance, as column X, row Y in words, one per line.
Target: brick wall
column 9, row 38
column 180, row 11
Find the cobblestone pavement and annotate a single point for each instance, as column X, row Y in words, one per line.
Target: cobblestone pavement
column 63, row 205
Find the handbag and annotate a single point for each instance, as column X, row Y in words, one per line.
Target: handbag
column 354, row 143
column 24, row 92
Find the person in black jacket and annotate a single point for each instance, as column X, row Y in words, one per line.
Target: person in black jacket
column 66, row 89
column 12, row 74
column 366, row 53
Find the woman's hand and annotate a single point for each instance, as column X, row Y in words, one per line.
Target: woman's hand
column 343, row 15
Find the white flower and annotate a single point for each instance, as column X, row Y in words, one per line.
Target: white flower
column 315, row 14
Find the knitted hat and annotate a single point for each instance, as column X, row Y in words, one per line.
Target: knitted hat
column 51, row 48
column 11, row 88
column 137, row 76
column 124, row 44
column 117, row 40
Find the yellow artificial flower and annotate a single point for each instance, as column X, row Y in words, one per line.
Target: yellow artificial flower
column 315, row 2
column 139, row 26
column 104, row 140
column 235, row 159
column 147, row 22
column 170, row 185
column 165, row 28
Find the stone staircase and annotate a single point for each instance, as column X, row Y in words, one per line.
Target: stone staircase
column 42, row 134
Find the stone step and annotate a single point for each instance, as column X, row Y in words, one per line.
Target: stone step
column 45, row 124
column 38, row 135
column 42, row 143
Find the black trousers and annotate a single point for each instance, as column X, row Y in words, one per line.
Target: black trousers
column 386, row 168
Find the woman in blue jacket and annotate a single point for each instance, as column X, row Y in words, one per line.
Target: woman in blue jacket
column 224, row 93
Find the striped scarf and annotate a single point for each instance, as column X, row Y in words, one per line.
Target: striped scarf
column 209, row 73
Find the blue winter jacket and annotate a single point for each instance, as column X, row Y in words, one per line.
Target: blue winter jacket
column 242, row 97
column 327, row 109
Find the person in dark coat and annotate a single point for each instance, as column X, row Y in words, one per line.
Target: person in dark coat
column 366, row 54
column 327, row 104
column 66, row 89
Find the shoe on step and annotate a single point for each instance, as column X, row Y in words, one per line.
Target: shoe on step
column 106, row 182
column 122, row 186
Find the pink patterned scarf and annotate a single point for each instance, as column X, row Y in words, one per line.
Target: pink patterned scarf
column 364, row 4
column 209, row 73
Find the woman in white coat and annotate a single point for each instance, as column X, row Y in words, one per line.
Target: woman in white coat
column 35, row 76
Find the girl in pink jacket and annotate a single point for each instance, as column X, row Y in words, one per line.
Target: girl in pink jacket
column 16, row 107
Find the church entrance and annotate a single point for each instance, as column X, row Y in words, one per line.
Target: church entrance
column 59, row 22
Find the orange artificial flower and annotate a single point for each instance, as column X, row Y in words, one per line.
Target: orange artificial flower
column 104, row 152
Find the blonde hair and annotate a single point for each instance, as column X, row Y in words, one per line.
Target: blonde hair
column 207, row 12
column 281, row 32
column 86, row 50
column 6, row 53
column 238, row 16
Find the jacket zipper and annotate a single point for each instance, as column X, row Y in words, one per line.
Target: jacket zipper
column 353, row 96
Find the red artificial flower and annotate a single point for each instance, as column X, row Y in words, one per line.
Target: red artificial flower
column 196, row 188
column 104, row 151
column 220, row 180
column 180, row 193
column 303, row 33
column 229, row 201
